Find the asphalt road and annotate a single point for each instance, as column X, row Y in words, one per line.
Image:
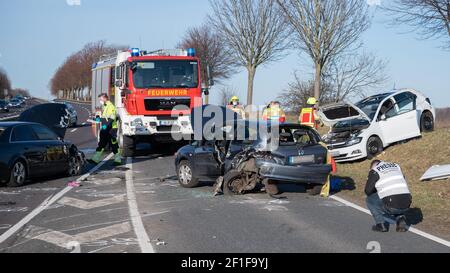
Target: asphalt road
column 139, row 207
column 14, row 112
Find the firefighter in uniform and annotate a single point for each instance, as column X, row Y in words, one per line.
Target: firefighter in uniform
column 309, row 116
column 236, row 107
column 273, row 112
column 387, row 195
column 108, row 131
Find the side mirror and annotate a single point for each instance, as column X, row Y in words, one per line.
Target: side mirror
column 119, row 83
column 210, row 78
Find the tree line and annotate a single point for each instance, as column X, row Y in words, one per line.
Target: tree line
column 247, row 34
column 6, row 89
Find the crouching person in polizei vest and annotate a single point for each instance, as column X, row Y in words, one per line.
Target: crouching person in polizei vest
column 388, row 195
column 108, row 131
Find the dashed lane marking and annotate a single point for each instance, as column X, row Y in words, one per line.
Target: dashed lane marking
column 136, row 220
column 47, row 203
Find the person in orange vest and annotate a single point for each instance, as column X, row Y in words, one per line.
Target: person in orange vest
column 236, row 107
column 309, row 116
column 274, row 112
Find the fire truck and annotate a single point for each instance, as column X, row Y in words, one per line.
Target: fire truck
column 154, row 93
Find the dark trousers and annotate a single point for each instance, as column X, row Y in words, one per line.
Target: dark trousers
column 379, row 209
column 108, row 137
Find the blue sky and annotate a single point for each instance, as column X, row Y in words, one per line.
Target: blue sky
column 36, row 37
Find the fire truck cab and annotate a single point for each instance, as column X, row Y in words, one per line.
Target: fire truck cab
column 154, row 93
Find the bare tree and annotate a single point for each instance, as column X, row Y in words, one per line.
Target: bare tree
column 430, row 17
column 5, row 83
column 254, row 32
column 212, row 51
column 354, row 76
column 226, row 93
column 325, row 29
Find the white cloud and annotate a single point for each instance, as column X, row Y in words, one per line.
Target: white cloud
column 73, row 2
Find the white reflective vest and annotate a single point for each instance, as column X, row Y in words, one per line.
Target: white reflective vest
column 392, row 181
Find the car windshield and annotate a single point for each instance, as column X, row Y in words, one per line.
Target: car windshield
column 165, row 74
column 370, row 105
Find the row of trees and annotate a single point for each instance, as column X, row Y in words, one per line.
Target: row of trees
column 73, row 79
column 5, row 87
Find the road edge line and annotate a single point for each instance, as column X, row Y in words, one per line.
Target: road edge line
column 135, row 216
column 411, row 229
column 47, row 203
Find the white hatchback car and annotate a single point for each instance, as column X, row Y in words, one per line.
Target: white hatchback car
column 364, row 129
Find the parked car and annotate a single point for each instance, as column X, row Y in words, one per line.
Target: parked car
column 295, row 156
column 15, row 103
column 4, row 106
column 30, row 150
column 365, row 129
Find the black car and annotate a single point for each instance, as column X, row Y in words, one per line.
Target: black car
column 4, row 106
column 30, row 150
column 295, row 155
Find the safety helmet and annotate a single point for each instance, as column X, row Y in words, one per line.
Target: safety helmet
column 312, row 101
column 234, row 98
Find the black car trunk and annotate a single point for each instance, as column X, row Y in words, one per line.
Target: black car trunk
column 296, row 154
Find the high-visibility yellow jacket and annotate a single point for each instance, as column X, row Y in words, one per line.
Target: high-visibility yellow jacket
column 309, row 117
column 109, row 115
column 274, row 113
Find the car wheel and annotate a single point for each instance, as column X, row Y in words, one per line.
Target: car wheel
column 18, row 174
column 374, row 147
column 233, row 183
column 74, row 166
column 186, row 176
column 427, row 122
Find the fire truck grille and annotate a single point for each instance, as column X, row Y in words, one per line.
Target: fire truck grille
column 165, row 104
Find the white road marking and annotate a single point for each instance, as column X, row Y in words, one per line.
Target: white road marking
column 413, row 230
column 61, row 239
column 74, row 130
column 136, row 220
column 47, row 203
column 81, row 204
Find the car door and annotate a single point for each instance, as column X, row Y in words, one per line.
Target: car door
column 206, row 164
column 399, row 122
column 56, row 151
column 25, row 142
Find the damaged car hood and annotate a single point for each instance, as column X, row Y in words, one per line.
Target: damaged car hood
column 334, row 113
column 52, row 115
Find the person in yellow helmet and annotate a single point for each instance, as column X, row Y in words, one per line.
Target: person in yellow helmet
column 308, row 115
column 274, row 112
column 108, row 131
column 236, row 107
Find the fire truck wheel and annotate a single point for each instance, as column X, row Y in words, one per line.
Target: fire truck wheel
column 128, row 146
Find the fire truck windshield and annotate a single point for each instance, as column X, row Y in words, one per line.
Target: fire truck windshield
column 165, row 74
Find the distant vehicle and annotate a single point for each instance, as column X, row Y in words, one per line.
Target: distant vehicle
column 31, row 150
column 15, row 103
column 298, row 158
column 4, row 106
column 73, row 115
column 364, row 129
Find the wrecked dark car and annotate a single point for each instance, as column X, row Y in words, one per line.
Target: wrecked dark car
column 35, row 147
column 267, row 154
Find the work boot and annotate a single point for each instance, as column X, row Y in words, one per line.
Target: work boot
column 380, row 228
column 96, row 158
column 118, row 159
column 402, row 225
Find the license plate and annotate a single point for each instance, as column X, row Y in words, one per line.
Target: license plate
column 301, row 159
column 166, row 122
